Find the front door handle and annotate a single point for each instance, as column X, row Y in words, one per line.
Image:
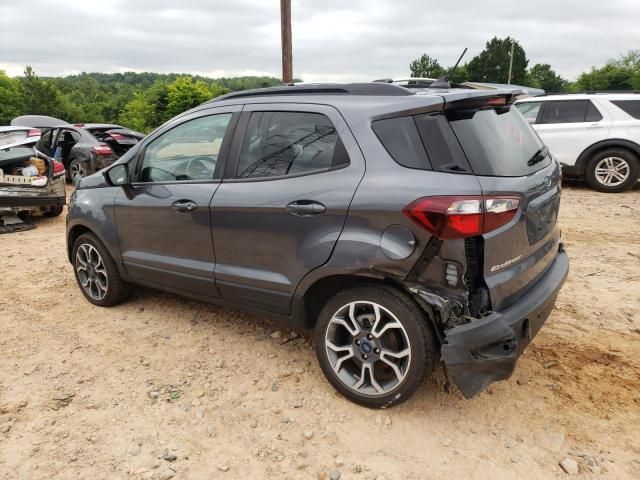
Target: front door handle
column 184, row 205
column 305, row 208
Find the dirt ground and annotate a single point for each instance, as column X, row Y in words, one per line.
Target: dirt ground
column 164, row 387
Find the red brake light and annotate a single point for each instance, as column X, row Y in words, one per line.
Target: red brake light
column 102, row 150
column 33, row 132
column 117, row 137
column 449, row 217
column 57, row 166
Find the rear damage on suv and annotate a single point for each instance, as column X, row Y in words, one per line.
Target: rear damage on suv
column 493, row 265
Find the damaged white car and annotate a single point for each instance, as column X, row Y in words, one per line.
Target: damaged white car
column 30, row 181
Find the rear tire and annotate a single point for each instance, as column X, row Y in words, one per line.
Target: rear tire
column 96, row 272
column 613, row 170
column 77, row 171
column 361, row 332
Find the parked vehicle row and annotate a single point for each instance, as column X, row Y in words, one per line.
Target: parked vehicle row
column 83, row 148
column 446, row 244
column 594, row 136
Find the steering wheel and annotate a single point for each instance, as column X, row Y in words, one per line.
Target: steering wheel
column 200, row 167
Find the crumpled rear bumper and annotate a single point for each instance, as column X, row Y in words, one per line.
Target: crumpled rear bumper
column 486, row 349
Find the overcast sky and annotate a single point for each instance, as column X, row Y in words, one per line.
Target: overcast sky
column 332, row 39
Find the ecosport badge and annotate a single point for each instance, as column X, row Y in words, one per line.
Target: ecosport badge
column 495, row 268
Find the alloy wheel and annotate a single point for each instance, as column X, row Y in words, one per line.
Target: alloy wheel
column 77, row 171
column 368, row 348
column 612, row 171
column 91, row 271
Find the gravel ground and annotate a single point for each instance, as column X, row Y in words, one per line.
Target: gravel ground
column 164, row 387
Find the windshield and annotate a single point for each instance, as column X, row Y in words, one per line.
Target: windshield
column 497, row 142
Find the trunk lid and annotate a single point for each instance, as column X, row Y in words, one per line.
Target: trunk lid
column 504, row 153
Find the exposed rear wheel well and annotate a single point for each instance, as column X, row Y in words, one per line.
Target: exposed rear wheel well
column 74, row 233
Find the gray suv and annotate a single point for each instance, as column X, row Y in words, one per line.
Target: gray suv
column 401, row 225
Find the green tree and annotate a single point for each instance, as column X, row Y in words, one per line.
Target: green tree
column 492, row 64
column 426, row 67
column 185, row 93
column 41, row 97
column 11, row 100
column 541, row 75
column 137, row 114
column 622, row 73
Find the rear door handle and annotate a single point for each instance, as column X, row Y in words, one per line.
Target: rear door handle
column 306, row 207
column 594, row 125
column 184, row 205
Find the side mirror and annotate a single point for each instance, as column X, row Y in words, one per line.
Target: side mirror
column 118, row 175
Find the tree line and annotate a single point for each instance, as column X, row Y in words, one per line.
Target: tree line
column 492, row 66
column 142, row 101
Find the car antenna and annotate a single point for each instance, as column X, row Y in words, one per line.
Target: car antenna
column 443, row 82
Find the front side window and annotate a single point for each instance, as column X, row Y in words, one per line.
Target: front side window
column 529, row 110
column 289, row 143
column 186, row 152
column 570, row 111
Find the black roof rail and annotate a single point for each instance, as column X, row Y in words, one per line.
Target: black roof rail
column 595, row 92
column 370, row 88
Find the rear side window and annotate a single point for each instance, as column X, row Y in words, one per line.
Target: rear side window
column 401, row 139
column 289, row 143
column 630, row 107
column 497, row 142
column 570, row 111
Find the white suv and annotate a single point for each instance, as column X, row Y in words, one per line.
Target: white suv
column 594, row 135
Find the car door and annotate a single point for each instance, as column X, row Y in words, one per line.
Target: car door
column 568, row 127
column 292, row 173
column 163, row 220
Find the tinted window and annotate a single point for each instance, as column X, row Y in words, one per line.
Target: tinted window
column 289, row 143
column 631, row 107
column 442, row 146
column 593, row 114
column 496, row 142
column 186, row 152
column 529, row 110
column 401, row 139
column 565, row 111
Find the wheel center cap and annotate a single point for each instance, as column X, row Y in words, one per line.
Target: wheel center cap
column 366, row 347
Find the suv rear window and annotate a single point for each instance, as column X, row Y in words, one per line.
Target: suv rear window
column 485, row 142
column 497, row 142
column 630, row 107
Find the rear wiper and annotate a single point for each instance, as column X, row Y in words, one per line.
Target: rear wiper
column 539, row 156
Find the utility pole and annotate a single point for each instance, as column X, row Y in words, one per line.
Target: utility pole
column 513, row 44
column 287, row 51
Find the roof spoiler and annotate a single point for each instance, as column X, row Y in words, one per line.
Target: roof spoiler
column 489, row 99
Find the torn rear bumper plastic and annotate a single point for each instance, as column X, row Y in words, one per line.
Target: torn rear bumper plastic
column 486, row 349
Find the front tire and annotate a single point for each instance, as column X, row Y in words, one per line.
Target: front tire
column 374, row 345
column 96, row 272
column 612, row 171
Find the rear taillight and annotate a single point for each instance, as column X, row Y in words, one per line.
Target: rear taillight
column 102, row 150
column 449, row 217
column 34, row 132
column 57, row 167
column 117, row 137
